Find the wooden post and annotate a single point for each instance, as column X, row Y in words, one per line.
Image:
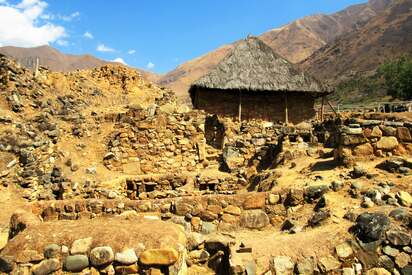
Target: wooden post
column 286, row 109
column 36, row 69
column 322, row 109
column 240, row 105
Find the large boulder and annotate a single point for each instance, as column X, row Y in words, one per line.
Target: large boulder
column 282, row 265
column 76, row 263
column 363, row 150
column 403, row 134
column 164, row 257
column 371, row 227
column 254, row 219
column 387, row 143
column 101, row 256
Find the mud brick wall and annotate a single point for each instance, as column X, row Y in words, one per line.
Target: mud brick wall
column 265, row 106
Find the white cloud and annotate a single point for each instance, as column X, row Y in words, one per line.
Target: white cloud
column 119, row 60
column 20, row 25
column 88, row 35
column 62, row 43
column 131, row 52
column 69, row 17
column 104, row 49
column 150, row 65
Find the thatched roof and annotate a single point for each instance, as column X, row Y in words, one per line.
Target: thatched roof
column 254, row 66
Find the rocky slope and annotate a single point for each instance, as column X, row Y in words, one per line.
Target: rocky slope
column 295, row 41
column 55, row 60
column 384, row 37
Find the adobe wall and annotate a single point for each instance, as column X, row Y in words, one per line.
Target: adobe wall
column 265, row 106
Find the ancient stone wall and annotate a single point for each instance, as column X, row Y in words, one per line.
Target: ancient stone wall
column 372, row 138
column 265, row 106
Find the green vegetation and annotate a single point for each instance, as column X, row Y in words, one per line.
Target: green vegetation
column 392, row 79
column 396, row 77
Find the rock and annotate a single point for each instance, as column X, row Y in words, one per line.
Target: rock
column 7, row 264
column 358, row 172
column 390, row 251
column 208, row 216
column 403, row 134
column 402, row 260
column 208, row 228
column 81, row 246
column 407, row 270
column 371, row 227
column 336, row 185
column 194, row 240
column 363, row 150
column 319, row 217
column 283, row 265
column 386, row 262
column 348, row 271
column 400, row 214
column 165, row 256
column 127, row 257
column 52, row 251
column 91, row 170
column 76, row 263
column 129, row 269
column 387, row 143
column 274, row 199
column 232, row 210
column 315, row 192
column 329, row 263
column 376, row 132
column 20, row 220
column 404, row 198
column 200, row 256
column 398, row 238
column 108, row 270
column 255, row 201
column 46, row 267
column 100, row 256
column 254, row 219
column 305, row 266
column 377, row 271
column 344, row 250
column 295, row 197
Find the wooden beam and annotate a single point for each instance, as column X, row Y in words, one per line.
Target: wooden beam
column 286, row 109
column 322, row 109
column 240, row 105
column 333, row 109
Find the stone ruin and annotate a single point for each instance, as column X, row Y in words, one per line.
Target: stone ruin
column 187, row 189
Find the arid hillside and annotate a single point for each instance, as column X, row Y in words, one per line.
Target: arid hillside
column 384, row 37
column 295, row 42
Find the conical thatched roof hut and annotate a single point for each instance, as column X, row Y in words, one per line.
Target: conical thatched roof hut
column 255, row 82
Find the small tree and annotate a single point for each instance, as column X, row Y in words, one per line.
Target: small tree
column 397, row 77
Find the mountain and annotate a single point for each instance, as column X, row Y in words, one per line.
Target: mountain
column 57, row 61
column 295, row 42
column 382, row 38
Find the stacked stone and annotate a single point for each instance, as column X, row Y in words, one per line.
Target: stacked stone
column 158, row 143
column 373, row 138
column 83, row 257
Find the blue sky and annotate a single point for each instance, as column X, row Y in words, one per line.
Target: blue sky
column 150, row 34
